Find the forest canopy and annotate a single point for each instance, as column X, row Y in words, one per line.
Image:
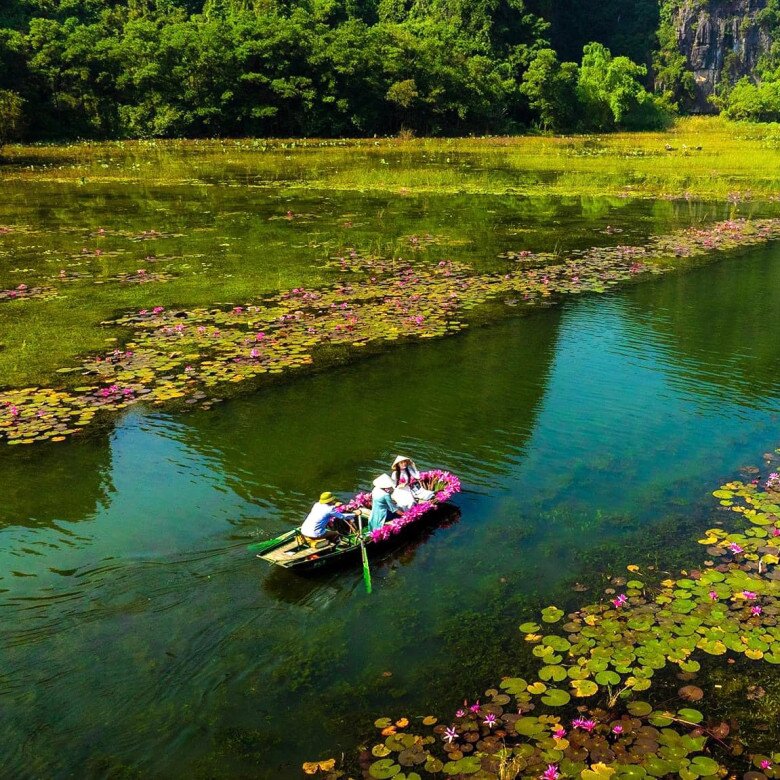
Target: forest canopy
column 164, row 68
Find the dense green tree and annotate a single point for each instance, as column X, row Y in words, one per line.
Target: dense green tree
column 10, row 116
column 612, row 94
column 136, row 68
column 551, row 89
column 753, row 102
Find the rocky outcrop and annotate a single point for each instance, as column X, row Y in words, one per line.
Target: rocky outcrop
column 721, row 40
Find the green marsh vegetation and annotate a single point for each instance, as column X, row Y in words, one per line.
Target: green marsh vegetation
column 95, row 232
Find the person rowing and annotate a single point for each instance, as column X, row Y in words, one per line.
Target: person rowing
column 317, row 525
column 406, row 483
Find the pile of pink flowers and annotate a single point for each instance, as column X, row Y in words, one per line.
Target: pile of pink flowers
column 443, row 484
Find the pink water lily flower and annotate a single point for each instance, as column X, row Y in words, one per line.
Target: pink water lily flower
column 713, row 595
column 735, row 548
column 617, row 729
column 749, row 595
column 766, row 764
column 621, row 600
column 584, row 723
column 490, row 720
column 560, row 733
column 756, row 611
column 450, row 734
column 460, row 714
column 551, row 773
column 475, row 707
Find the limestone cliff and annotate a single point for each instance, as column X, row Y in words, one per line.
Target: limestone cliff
column 721, row 40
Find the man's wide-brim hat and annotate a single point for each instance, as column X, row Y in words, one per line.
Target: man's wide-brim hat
column 384, row 482
column 328, row 498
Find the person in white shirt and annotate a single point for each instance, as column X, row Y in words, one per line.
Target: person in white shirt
column 315, row 527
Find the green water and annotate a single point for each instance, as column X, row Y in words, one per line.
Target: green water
column 228, row 242
column 138, row 637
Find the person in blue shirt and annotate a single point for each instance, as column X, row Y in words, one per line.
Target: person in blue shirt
column 315, row 527
column 383, row 508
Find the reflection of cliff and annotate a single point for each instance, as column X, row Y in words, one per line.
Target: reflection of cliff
column 466, row 403
column 41, row 485
column 719, row 323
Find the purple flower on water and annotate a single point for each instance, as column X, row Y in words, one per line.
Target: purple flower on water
column 766, row 764
column 584, row 724
column 560, row 733
column 620, row 600
column 755, row 610
column 460, row 714
column 551, row 773
column 713, row 595
column 617, row 729
column 749, row 595
column 490, row 720
column 450, row 734
column 735, row 548
column 475, row 707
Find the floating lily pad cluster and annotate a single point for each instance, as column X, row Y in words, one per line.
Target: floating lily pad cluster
column 607, row 654
column 23, row 293
column 187, row 354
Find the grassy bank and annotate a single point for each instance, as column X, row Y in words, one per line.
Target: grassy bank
column 700, row 157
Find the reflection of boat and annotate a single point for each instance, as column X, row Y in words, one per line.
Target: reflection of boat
column 292, row 551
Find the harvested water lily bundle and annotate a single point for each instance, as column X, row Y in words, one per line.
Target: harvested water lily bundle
column 442, row 484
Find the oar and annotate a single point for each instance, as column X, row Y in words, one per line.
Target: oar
column 364, row 554
column 262, row 546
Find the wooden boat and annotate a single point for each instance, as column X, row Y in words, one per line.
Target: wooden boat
column 292, row 551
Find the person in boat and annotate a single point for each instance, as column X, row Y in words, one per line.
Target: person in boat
column 406, row 483
column 383, row 508
column 317, row 525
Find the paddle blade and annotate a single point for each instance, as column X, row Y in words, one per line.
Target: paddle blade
column 262, row 546
column 366, row 571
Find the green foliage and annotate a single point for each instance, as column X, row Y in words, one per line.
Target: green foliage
column 604, row 93
column 612, row 94
column 551, row 89
column 673, row 76
column 166, row 68
column 753, row 102
column 10, row 115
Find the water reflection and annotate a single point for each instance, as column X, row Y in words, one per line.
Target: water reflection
column 154, row 642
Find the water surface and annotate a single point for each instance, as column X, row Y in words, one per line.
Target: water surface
column 138, row 636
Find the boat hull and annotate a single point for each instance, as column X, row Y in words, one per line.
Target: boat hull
column 290, row 554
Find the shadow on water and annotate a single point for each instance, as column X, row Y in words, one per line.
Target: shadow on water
column 71, row 483
column 467, row 403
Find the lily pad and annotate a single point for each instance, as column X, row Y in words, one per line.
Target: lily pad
column 556, row 697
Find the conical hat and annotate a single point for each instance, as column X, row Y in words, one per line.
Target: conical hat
column 401, row 459
column 383, row 481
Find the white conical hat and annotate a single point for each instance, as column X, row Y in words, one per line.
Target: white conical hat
column 383, row 481
column 401, row 459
